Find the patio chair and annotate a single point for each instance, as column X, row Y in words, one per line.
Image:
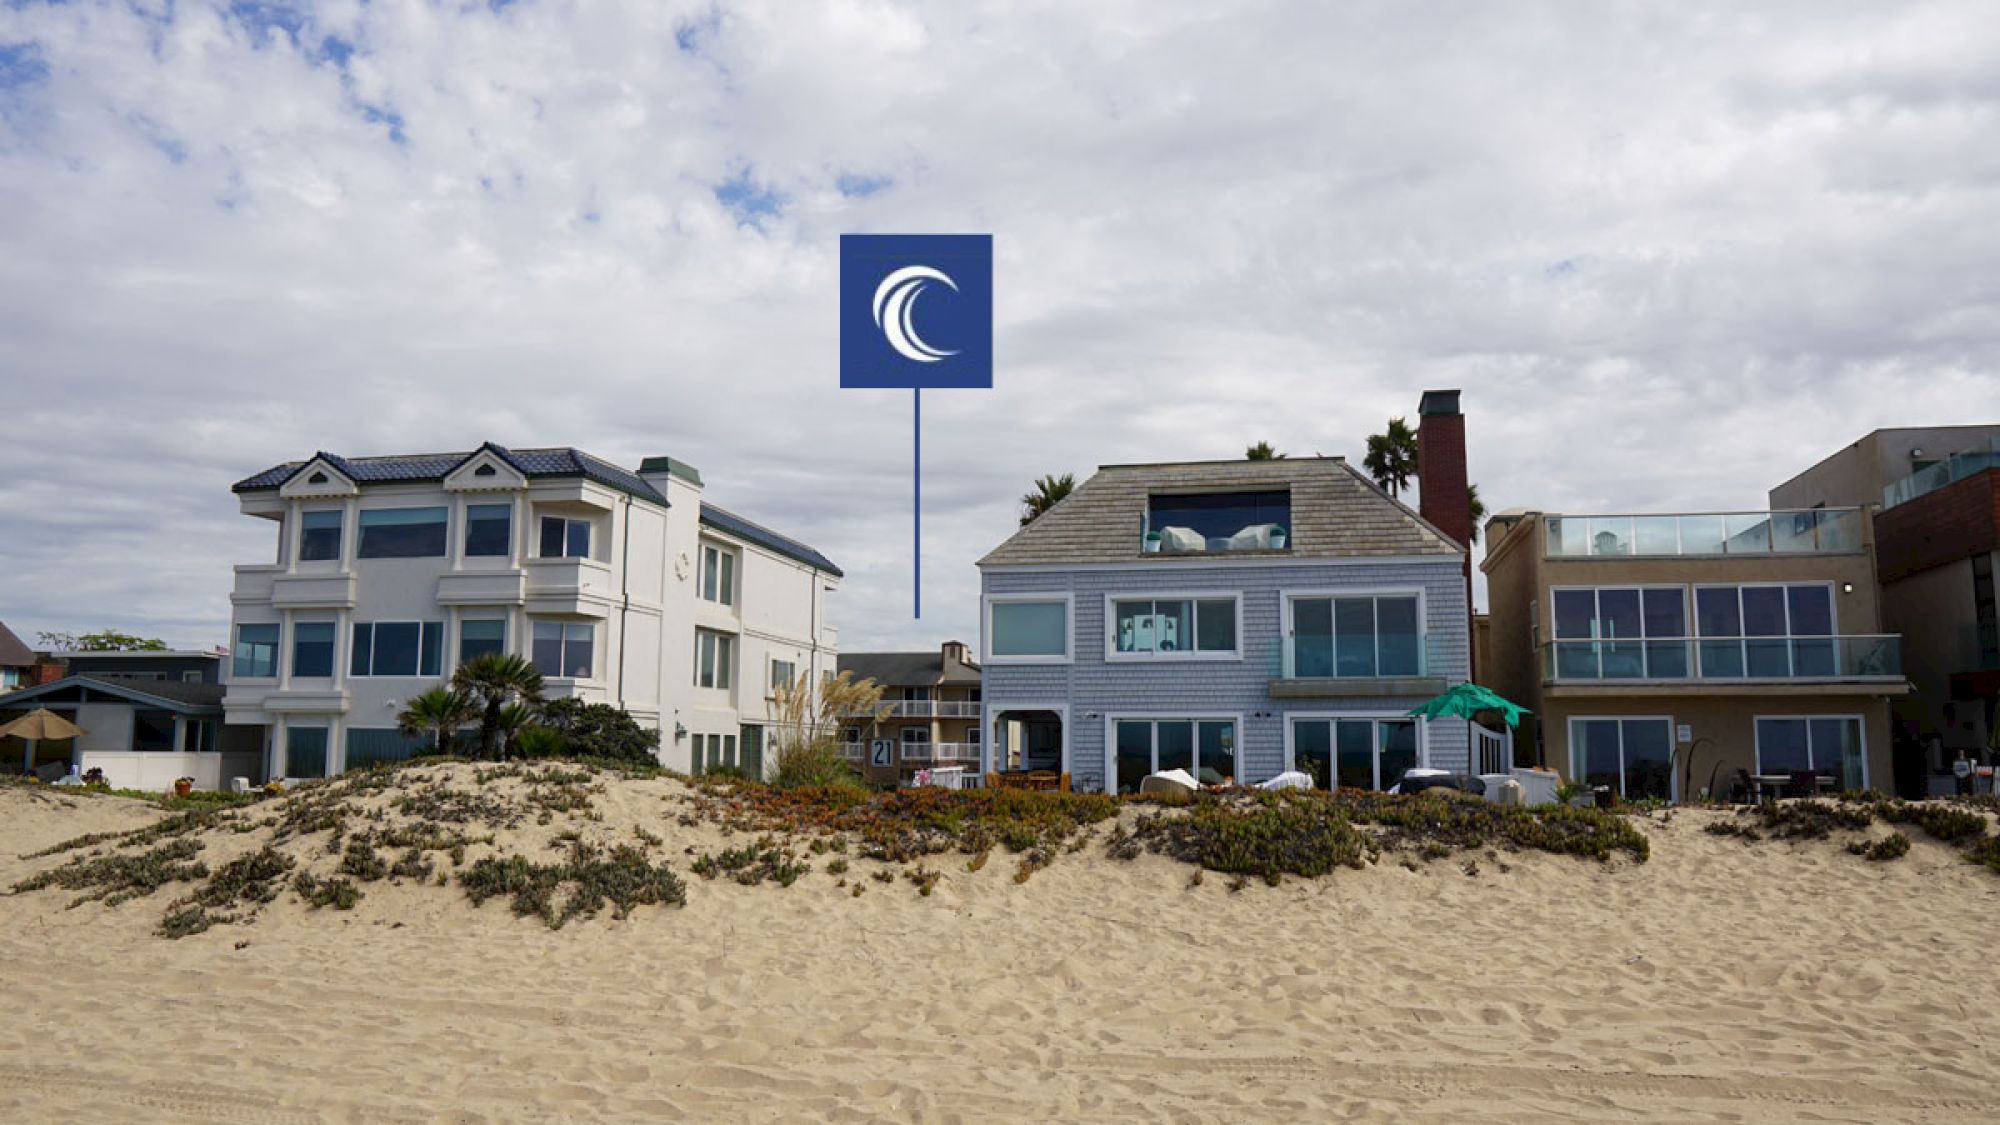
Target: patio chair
column 1803, row 783
column 1742, row 790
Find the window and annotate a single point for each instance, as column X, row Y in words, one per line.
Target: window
column 1220, row 521
column 1028, row 630
column 190, row 677
column 402, row 533
column 480, row 637
column 1765, row 631
column 397, row 648
column 1617, row 633
column 1205, row 748
column 565, row 538
column 305, row 752
column 1356, row 636
column 783, row 672
column 714, row 658
column 1829, row 745
column 916, row 736
column 1165, row 627
column 153, row 731
column 1634, row 758
column 1358, row 752
column 370, row 746
column 312, row 649
column 565, row 648
column 256, row 651
column 718, row 575
column 488, row 530
column 319, row 535
column 713, row 751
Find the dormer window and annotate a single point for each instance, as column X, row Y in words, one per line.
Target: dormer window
column 1178, row 523
column 483, row 471
column 316, row 478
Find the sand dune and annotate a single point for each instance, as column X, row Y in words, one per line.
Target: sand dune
column 1719, row 980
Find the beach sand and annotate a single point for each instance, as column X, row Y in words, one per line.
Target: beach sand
column 1719, row 980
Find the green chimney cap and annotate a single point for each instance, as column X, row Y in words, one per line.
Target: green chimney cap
column 1438, row 402
column 672, row 467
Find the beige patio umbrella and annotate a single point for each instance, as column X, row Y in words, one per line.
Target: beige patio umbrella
column 39, row 725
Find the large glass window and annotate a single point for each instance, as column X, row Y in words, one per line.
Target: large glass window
column 477, row 637
column 1772, row 632
column 714, row 659
column 1633, row 757
column 1220, row 521
column 564, row 538
column 488, row 530
column 1177, row 625
column 368, row 746
column 565, row 648
column 312, row 649
column 319, row 535
column 718, row 575
column 153, row 730
column 1205, row 748
column 1369, row 635
column 256, row 655
column 305, row 752
column 1026, row 630
column 1827, row 745
column 1621, row 633
column 1354, row 753
column 397, row 648
column 403, row 533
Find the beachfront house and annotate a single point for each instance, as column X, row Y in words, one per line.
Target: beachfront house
column 1235, row 619
column 1679, row 654
column 626, row 588
column 930, row 707
column 1937, row 538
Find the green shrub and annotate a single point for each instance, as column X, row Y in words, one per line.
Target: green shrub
column 1893, row 846
column 1305, row 838
column 335, row 892
column 599, row 731
column 817, row 764
column 116, row 878
column 753, row 864
column 624, row 877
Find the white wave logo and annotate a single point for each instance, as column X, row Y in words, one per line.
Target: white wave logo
column 895, row 300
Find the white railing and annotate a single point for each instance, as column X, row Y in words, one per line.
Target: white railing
column 940, row 751
column 925, row 709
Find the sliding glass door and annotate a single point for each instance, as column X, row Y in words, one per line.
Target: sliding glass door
column 1358, row 752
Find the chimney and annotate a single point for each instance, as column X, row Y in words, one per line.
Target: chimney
column 955, row 652
column 1443, row 495
column 48, row 670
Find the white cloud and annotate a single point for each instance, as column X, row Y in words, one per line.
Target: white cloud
column 1671, row 254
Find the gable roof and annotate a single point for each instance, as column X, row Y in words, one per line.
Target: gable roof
column 171, row 695
column 13, row 652
column 1336, row 513
column 899, row 669
column 413, row 468
column 733, row 524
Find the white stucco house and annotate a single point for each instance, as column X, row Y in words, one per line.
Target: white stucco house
column 623, row 587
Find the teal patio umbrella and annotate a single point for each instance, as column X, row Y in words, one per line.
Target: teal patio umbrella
column 1467, row 700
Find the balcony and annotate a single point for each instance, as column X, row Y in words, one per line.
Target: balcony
column 939, row 752
column 1322, row 667
column 473, row 587
column 1952, row 469
column 1811, row 531
column 253, row 583
column 923, row 709
column 1873, row 658
column 313, row 591
column 569, row 586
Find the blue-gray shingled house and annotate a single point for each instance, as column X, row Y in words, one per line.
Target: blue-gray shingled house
column 1235, row 619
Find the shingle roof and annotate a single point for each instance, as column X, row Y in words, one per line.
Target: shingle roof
column 14, row 653
column 894, row 668
column 172, row 693
column 1336, row 513
column 416, row 467
column 749, row 532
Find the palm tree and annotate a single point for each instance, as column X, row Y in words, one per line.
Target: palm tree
column 1262, row 451
column 515, row 718
column 1048, row 492
column 1392, row 456
column 1476, row 507
column 494, row 680
column 438, row 713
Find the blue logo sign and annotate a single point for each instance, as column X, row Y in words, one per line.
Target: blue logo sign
column 916, row 310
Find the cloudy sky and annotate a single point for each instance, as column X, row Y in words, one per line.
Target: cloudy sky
column 1672, row 253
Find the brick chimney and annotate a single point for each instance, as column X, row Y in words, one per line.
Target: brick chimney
column 1444, row 496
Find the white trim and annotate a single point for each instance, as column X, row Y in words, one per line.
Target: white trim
column 1287, row 599
column 1576, row 773
column 1423, row 738
column 1233, row 653
column 1112, row 719
column 989, row 746
column 1757, row 738
column 986, row 603
column 1197, row 560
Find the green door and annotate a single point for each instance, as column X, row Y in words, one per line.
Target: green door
column 752, row 750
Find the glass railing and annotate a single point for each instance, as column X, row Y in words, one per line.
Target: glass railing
column 1956, row 467
column 1800, row 532
column 1725, row 658
column 1339, row 658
